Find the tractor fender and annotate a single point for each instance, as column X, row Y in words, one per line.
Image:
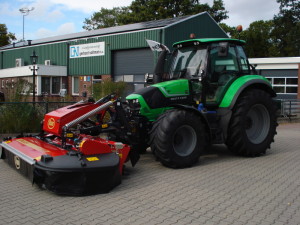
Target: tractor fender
column 233, row 93
column 201, row 117
column 242, row 84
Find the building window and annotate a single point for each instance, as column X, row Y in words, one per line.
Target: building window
column 56, row 85
column 27, row 85
column 284, row 85
column 51, row 85
column 87, row 78
column 2, row 85
column 75, row 85
column 46, row 85
column 12, row 84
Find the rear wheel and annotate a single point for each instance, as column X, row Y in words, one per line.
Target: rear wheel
column 177, row 138
column 253, row 124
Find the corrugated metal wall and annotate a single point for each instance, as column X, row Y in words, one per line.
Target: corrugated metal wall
column 58, row 53
column 98, row 65
column 203, row 26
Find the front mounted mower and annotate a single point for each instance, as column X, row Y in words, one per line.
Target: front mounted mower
column 68, row 156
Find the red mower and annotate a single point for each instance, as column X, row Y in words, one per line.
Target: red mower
column 70, row 156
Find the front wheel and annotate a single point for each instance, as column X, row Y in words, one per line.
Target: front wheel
column 253, row 124
column 178, row 138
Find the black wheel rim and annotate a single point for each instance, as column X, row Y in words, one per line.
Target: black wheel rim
column 257, row 123
column 184, row 140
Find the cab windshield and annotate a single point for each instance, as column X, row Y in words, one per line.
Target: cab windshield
column 188, row 62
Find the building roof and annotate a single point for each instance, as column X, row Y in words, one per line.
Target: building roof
column 276, row 62
column 105, row 31
column 209, row 40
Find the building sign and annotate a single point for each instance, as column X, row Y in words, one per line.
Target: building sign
column 87, row 50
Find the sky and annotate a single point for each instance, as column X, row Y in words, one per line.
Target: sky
column 58, row 17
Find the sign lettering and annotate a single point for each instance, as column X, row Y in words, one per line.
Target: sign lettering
column 87, row 50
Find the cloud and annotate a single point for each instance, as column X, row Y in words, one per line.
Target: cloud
column 250, row 11
column 245, row 12
column 89, row 6
column 8, row 9
column 43, row 10
column 46, row 11
column 65, row 28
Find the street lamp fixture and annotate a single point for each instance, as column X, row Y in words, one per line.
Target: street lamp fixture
column 34, row 69
column 25, row 11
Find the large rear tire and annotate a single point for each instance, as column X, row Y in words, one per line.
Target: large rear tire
column 178, row 138
column 253, row 124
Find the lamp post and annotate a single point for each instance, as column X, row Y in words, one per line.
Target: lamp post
column 25, row 11
column 34, row 68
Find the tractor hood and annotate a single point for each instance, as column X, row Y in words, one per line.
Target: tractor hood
column 155, row 99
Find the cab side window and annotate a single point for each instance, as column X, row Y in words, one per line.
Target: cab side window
column 223, row 65
column 243, row 60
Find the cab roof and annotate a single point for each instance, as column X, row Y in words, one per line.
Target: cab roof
column 211, row 40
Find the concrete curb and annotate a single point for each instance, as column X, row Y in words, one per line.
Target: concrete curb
column 288, row 120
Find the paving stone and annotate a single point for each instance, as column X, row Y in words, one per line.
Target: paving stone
column 221, row 189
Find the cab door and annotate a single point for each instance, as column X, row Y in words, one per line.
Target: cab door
column 223, row 69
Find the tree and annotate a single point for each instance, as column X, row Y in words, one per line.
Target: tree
column 147, row 10
column 279, row 37
column 290, row 8
column 104, row 18
column 286, row 30
column 260, row 42
column 231, row 31
column 5, row 38
column 217, row 11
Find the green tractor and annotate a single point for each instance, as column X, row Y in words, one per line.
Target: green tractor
column 205, row 92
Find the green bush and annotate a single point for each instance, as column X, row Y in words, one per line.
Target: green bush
column 108, row 87
column 18, row 116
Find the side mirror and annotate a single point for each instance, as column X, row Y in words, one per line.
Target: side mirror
column 253, row 69
column 149, row 78
column 223, row 49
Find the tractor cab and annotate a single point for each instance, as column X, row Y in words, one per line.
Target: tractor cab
column 210, row 64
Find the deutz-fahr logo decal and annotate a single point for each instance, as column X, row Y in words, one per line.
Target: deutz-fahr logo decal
column 17, row 162
column 51, row 123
